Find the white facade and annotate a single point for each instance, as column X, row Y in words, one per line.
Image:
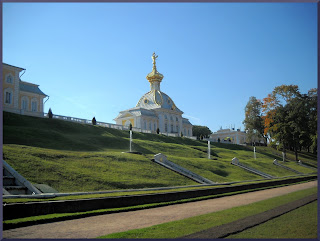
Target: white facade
column 229, row 136
column 156, row 109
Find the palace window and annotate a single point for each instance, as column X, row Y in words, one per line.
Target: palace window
column 165, row 116
column 188, row 132
column 150, row 125
column 8, row 96
column 171, row 128
column 9, row 79
column 166, row 127
column 145, row 125
column 177, row 128
column 24, row 104
column 176, row 118
column 155, row 126
column 34, row 106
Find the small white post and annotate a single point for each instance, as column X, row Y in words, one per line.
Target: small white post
column 130, row 140
column 254, row 153
column 208, row 149
column 283, row 156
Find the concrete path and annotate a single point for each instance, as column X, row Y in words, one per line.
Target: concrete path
column 92, row 227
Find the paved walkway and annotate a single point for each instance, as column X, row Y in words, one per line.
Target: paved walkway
column 92, row 227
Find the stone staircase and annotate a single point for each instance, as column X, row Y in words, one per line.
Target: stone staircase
column 162, row 160
column 275, row 162
column 14, row 183
column 235, row 161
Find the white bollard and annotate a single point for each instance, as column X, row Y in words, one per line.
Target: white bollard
column 130, row 140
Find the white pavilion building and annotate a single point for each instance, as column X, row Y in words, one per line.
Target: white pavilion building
column 156, row 109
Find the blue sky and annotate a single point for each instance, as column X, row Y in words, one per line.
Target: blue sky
column 92, row 58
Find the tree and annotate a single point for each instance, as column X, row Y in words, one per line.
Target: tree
column 203, row 131
column 50, row 115
column 290, row 118
column 253, row 121
column 94, row 121
column 130, row 127
column 181, row 134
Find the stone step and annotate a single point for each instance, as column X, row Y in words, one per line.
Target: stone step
column 8, row 181
column 16, row 190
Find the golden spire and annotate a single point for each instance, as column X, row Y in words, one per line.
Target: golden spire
column 154, row 57
column 154, row 75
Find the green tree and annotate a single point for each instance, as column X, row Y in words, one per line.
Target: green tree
column 253, row 122
column 203, row 131
column 130, row 127
column 290, row 118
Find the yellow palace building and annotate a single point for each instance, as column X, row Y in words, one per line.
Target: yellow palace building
column 19, row 96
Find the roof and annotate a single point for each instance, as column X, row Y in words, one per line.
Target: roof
column 186, row 121
column 28, row 87
column 136, row 111
column 156, row 99
column 14, row 66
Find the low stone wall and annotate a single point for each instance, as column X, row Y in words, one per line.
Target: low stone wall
column 162, row 160
column 20, row 210
column 235, row 161
column 275, row 162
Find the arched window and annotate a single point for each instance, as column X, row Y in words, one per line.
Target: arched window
column 166, row 127
column 155, row 126
column 8, row 96
column 171, row 128
column 24, row 103
column 9, row 79
column 150, row 125
column 34, row 105
column 176, row 118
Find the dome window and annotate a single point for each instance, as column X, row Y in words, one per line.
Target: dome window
column 146, row 101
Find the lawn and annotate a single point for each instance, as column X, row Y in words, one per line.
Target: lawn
column 191, row 225
column 300, row 223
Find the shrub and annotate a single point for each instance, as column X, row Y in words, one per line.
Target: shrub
column 94, row 121
column 50, row 115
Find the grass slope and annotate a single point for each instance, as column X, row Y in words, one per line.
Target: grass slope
column 76, row 157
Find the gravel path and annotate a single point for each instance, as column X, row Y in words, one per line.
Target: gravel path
column 92, row 227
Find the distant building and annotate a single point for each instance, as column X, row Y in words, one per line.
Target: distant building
column 19, row 96
column 229, row 136
column 156, row 109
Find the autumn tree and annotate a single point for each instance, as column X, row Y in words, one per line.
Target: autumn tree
column 253, row 122
column 290, row 118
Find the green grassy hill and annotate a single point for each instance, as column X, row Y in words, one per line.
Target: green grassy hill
column 77, row 157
